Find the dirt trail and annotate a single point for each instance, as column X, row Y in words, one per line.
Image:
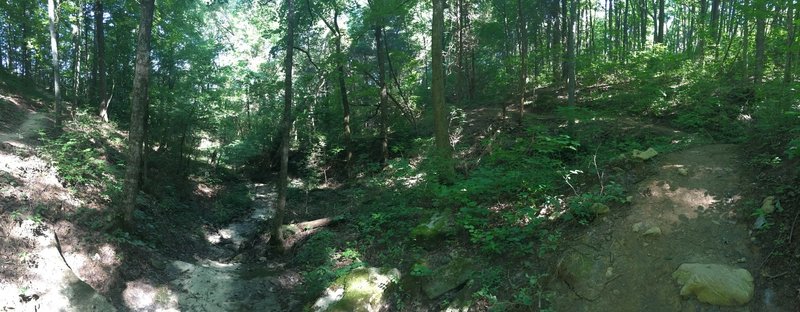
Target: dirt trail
column 696, row 200
column 27, row 132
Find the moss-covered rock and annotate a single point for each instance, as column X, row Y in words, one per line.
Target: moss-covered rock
column 715, row 284
column 438, row 225
column 361, row 290
column 448, row 277
column 644, row 155
column 585, row 270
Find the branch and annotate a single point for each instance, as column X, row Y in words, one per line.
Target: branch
column 308, row 55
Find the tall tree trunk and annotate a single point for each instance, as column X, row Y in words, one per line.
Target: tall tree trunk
column 758, row 73
column 790, row 50
column 522, row 29
column 384, row 93
column 571, row 83
column 643, row 23
column 100, row 58
column 443, row 154
column 556, row 43
column 746, row 39
column 26, row 58
column 51, row 13
column 286, row 124
column 76, row 68
column 661, row 19
column 625, row 31
column 342, row 76
column 139, row 100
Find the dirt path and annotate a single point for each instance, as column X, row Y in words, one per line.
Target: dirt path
column 28, row 131
column 692, row 208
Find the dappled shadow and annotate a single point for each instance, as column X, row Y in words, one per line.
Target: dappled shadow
column 693, row 210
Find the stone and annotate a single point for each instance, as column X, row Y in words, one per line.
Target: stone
column 761, row 221
column 715, row 284
column 645, row 155
column 448, row 277
column 599, row 209
column 361, row 290
column 653, row 231
column 436, row 226
column 638, row 227
column 683, row 171
column 768, row 205
column 586, row 271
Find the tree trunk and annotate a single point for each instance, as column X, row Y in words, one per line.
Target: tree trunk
column 790, row 51
column 523, row 53
column 384, row 93
column 286, row 124
column 661, row 18
column 78, row 37
column 51, row 12
column 758, row 73
column 571, row 83
column 443, row 154
column 139, row 100
column 100, row 58
column 343, row 95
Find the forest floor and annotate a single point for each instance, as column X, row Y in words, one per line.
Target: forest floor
column 692, row 205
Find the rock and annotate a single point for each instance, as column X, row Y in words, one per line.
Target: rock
column 768, row 205
column 653, row 231
column 649, row 153
column 361, row 290
column 638, row 227
column 436, row 226
column 586, row 271
column 448, row 277
column 715, row 284
column 761, row 221
column 683, row 171
column 599, row 209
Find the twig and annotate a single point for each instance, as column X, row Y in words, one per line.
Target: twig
column 794, row 222
column 597, row 171
column 776, row 275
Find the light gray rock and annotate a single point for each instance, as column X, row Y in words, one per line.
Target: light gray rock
column 715, row 284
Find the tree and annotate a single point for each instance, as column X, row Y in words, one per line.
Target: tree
column 384, row 91
column 571, row 83
column 761, row 39
column 77, row 57
column 51, row 12
column 522, row 30
column 286, row 123
column 790, row 50
column 139, row 102
column 443, row 154
column 100, row 59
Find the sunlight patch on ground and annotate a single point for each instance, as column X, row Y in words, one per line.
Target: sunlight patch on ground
column 141, row 296
column 10, row 99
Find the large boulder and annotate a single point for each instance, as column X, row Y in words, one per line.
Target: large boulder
column 448, row 277
column 361, row 290
column 586, row 271
column 715, row 284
